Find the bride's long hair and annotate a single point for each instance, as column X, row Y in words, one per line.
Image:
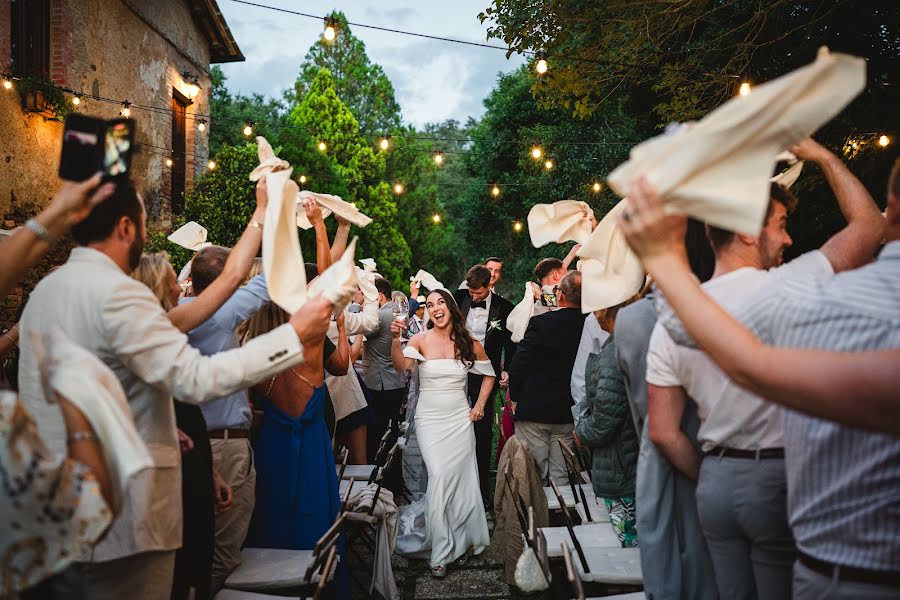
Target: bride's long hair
column 462, row 339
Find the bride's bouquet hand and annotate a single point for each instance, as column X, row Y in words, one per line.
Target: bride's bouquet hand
column 476, row 414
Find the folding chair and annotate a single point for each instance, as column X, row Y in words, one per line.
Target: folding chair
column 343, row 463
column 570, row 527
column 328, row 567
column 367, row 472
column 527, row 526
column 576, row 481
column 286, row 571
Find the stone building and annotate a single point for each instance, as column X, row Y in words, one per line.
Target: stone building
column 154, row 54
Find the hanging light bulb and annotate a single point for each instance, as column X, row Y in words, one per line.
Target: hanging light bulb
column 385, row 142
column 248, row 128
column 398, row 188
column 536, row 152
column 168, row 162
column 495, row 191
column 597, row 187
column 323, row 146
column 76, row 100
column 540, row 64
column 330, row 29
column 211, row 165
column 126, row 110
column 548, row 164
column 7, row 84
column 436, row 218
column 201, row 125
column 438, row 158
column 303, row 179
column 744, row 89
column 517, row 226
column 883, row 141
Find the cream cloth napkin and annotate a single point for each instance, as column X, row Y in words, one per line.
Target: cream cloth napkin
column 191, row 235
column 520, row 315
column 339, row 282
column 77, row 375
column 268, row 162
column 611, row 272
column 563, row 221
column 329, row 204
column 718, row 168
column 428, row 280
column 367, row 277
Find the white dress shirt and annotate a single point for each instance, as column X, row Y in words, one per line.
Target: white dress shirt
column 477, row 320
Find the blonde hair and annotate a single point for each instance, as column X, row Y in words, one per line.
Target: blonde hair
column 265, row 320
column 152, row 271
column 607, row 316
column 255, row 269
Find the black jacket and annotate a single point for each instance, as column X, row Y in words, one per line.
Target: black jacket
column 541, row 372
column 497, row 345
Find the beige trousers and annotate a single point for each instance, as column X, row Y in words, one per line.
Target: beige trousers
column 542, row 440
column 233, row 459
column 144, row 576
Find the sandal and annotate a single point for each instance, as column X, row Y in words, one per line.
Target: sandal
column 439, row 571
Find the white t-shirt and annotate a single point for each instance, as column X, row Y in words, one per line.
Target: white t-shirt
column 730, row 416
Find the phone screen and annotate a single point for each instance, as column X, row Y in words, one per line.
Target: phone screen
column 117, row 149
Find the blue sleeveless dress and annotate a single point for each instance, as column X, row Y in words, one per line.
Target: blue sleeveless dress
column 297, row 495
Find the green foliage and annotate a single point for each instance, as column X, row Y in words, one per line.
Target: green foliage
column 50, row 99
column 231, row 112
column 360, row 84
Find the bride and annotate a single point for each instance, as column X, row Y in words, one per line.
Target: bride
column 454, row 519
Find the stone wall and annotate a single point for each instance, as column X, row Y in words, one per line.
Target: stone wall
column 133, row 50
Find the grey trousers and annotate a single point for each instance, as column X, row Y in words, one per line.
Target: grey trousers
column 145, row 576
column 542, row 440
column 810, row 585
column 742, row 504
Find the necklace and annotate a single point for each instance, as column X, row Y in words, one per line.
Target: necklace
column 299, row 376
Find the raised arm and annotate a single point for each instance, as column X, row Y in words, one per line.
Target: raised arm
column 859, row 389
column 400, row 362
column 855, row 244
column 323, row 250
column 189, row 315
column 340, row 238
column 571, row 256
column 72, row 203
column 339, row 361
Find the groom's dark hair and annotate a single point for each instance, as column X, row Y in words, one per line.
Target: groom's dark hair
column 383, row 286
column 478, row 277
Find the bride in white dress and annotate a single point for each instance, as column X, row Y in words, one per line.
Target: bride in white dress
column 454, row 519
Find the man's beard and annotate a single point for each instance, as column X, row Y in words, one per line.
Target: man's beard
column 766, row 260
column 134, row 253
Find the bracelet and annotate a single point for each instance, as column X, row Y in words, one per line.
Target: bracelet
column 40, row 231
column 255, row 223
column 80, row 436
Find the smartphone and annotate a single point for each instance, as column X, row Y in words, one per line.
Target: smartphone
column 549, row 300
column 91, row 145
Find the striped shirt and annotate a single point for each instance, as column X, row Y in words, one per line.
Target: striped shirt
column 843, row 483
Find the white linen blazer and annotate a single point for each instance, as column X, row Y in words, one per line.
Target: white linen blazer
column 118, row 319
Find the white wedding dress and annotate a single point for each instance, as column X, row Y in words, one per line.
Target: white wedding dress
column 450, row 519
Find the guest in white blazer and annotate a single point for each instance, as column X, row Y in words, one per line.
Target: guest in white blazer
column 96, row 304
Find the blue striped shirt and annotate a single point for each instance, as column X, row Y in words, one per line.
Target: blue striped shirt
column 843, row 483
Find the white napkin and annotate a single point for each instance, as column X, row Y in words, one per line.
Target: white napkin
column 77, row 375
column 611, row 272
column 339, row 282
column 718, row 168
column 329, row 204
column 520, row 315
column 191, row 235
column 428, row 280
column 268, row 162
column 282, row 258
column 563, row 221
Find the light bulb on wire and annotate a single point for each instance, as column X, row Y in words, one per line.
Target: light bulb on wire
column 168, row 162
column 76, row 100
column 495, row 191
column 517, row 226
column 248, row 129
column 436, row 218
column 597, row 187
column 744, row 90
column 540, row 63
column 303, row 179
column 7, row 84
column 438, row 158
column 548, row 164
column 126, row 109
column 211, row 165
column 883, row 141
column 536, row 153
column 398, row 188
column 201, row 125
column 330, row 29
column 385, row 142
column 323, row 146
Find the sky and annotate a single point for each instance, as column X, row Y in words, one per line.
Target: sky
column 433, row 81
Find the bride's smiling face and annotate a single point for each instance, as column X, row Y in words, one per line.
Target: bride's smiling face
column 438, row 310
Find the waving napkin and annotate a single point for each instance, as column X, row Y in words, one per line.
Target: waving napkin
column 268, row 162
column 520, row 315
column 611, row 272
column 428, row 280
column 563, row 221
column 78, row 376
column 191, row 235
column 718, row 168
column 329, row 204
column 282, row 258
column 366, row 277
column 339, row 282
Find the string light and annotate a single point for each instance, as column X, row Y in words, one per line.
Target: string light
column 323, row 146
column 168, row 162
column 201, row 125
column 385, row 142
column 126, row 109
column 517, row 226
column 883, row 141
column 744, row 89
column 330, row 29
column 7, row 84
column 398, row 188
column 248, row 129
column 548, row 164
column 495, row 191
column 303, row 179
column 438, row 157
column 536, row 152
column 76, row 100
column 436, row 218
column 540, row 64
column 597, row 187
column 211, row 165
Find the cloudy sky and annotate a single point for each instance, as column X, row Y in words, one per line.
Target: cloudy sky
column 433, row 80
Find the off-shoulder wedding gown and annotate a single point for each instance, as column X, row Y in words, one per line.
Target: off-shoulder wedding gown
column 450, row 519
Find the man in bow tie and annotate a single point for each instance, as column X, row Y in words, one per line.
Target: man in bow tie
column 486, row 312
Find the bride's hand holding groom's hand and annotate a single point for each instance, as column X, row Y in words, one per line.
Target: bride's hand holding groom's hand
column 477, row 413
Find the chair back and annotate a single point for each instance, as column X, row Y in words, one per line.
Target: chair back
column 572, row 573
column 325, row 572
column 570, row 527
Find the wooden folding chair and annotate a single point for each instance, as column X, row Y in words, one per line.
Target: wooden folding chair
column 576, row 481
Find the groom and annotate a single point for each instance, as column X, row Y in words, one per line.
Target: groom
column 485, row 313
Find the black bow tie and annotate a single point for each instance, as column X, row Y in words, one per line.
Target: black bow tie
column 482, row 304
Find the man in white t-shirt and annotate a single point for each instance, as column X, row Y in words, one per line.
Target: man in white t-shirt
column 741, row 490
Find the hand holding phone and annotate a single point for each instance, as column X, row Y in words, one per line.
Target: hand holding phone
column 91, row 145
